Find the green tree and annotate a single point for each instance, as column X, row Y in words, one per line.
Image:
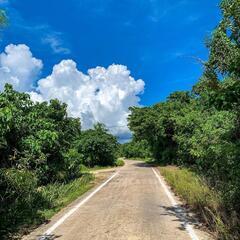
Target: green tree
column 3, row 18
column 135, row 149
column 97, row 146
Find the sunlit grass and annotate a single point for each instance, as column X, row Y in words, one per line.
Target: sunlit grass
column 196, row 194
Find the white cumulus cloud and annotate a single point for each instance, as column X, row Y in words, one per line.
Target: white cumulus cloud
column 101, row 95
column 18, row 67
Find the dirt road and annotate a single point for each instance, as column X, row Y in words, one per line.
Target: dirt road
column 132, row 205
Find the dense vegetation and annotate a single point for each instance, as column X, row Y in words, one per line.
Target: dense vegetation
column 39, row 146
column 201, row 128
column 135, row 149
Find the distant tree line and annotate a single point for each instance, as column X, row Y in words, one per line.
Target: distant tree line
column 135, row 149
column 201, row 128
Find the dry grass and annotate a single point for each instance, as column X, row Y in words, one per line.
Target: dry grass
column 197, row 195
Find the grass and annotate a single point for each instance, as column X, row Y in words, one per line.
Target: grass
column 60, row 195
column 99, row 168
column 48, row 200
column 197, row 195
column 119, row 162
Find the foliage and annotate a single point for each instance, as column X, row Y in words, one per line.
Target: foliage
column 23, row 205
column 19, row 200
column 135, row 149
column 59, row 195
column 35, row 136
column 97, row 146
column 41, row 145
column 156, row 125
column 225, row 44
column 73, row 161
column 119, row 162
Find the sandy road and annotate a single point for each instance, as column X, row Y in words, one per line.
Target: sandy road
column 131, row 206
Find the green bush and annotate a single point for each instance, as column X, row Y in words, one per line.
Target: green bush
column 73, row 163
column 41, row 146
column 135, row 149
column 119, row 162
column 35, row 136
column 23, row 204
column 98, row 147
column 19, row 198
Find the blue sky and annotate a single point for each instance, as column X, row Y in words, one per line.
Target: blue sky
column 155, row 39
column 50, row 45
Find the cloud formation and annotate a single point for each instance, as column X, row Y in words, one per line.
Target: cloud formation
column 55, row 43
column 18, row 67
column 102, row 95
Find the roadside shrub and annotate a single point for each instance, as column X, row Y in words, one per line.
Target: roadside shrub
column 119, row 162
column 19, row 200
column 73, row 161
column 135, row 149
column 97, row 146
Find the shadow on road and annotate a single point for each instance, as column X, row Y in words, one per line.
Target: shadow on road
column 181, row 215
column 48, row 237
column 143, row 164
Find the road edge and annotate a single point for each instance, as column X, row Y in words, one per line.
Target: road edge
column 189, row 229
